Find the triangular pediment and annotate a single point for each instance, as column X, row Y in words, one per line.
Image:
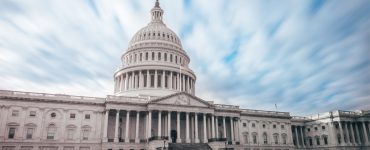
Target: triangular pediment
column 182, row 99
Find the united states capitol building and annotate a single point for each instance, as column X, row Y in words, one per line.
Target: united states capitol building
column 154, row 106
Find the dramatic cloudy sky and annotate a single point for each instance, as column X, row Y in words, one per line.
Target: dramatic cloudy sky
column 306, row 56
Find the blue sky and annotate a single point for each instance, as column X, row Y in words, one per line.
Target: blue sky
column 306, row 56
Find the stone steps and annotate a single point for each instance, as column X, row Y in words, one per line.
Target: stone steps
column 189, row 146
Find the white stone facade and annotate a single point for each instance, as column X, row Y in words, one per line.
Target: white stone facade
column 154, row 104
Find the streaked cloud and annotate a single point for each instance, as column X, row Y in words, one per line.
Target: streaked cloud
column 304, row 56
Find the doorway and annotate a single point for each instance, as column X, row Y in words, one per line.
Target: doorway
column 173, row 136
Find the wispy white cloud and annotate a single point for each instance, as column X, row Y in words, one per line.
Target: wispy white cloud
column 305, row 56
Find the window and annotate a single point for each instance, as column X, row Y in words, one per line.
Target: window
column 245, row 135
column 11, row 133
column 85, row 132
column 15, row 113
column 310, row 141
column 70, row 133
column 32, row 113
column 253, row 125
column 263, row 126
column 244, row 124
column 170, row 57
column 317, row 141
column 165, row 56
column 159, row 56
column 315, row 128
column 254, row 136
column 284, row 136
column 282, row 127
column 87, row 116
column 51, row 130
column 276, row 138
column 29, row 133
column 274, row 126
column 72, row 116
column 308, row 129
column 53, row 115
column 323, row 127
column 339, row 138
column 264, row 138
column 146, row 56
column 325, row 140
column 141, row 56
column 152, row 55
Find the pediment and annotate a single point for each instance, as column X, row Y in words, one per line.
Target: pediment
column 181, row 99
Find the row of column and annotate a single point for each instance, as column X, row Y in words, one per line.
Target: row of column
column 353, row 133
column 210, row 126
column 299, row 136
column 162, row 79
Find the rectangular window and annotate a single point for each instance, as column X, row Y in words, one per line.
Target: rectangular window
column 244, row 124
column 11, row 133
column 253, row 125
column 29, row 133
column 72, row 116
column 323, row 127
column 282, row 127
column 50, row 136
column 85, row 134
column 15, row 113
column 32, row 113
column 87, row 116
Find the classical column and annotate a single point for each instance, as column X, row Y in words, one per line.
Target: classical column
column 187, row 128
column 296, row 135
column 224, row 125
column 105, row 130
column 341, row 133
column 170, row 85
column 205, row 140
column 147, row 79
column 155, row 79
column 216, row 127
column 150, row 125
column 116, row 127
column 347, row 133
column 141, row 80
column 178, row 139
column 352, row 133
column 365, row 132
column 137, row 140
column 196, row 128
column 127, row 140
column 163, row 79
column 232, row 129
column 358, row 134
column 213, row 126
column 302, row 136
column 159, row 123
column 169, row 126
column 333, row 134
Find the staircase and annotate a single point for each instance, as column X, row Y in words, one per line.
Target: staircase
column 189, row 146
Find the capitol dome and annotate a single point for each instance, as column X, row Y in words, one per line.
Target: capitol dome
column 154, row 64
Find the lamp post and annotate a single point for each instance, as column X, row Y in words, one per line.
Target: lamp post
column 164, row 144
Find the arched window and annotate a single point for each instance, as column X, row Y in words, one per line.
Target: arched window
column 141, row 56
column 325, row 137
column 317, row 140
column 254, row 137
column 284, row 137
column 159, row 56
column 135, row 57
column 71, row 130
column 165, row 56
column 152, row 55
column 310, row 141
column 276, row 138
column 265, row 138
column 85, row 132
column 51, row 130
column 245, row 137
column 170, row 57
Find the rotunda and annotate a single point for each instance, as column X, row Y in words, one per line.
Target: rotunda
column 155, row 63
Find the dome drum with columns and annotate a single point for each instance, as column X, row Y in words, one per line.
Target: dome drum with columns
column 155, row 64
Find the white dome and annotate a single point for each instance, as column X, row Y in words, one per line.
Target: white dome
column 155, row 32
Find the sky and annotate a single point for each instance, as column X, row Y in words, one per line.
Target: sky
column 306, row 56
